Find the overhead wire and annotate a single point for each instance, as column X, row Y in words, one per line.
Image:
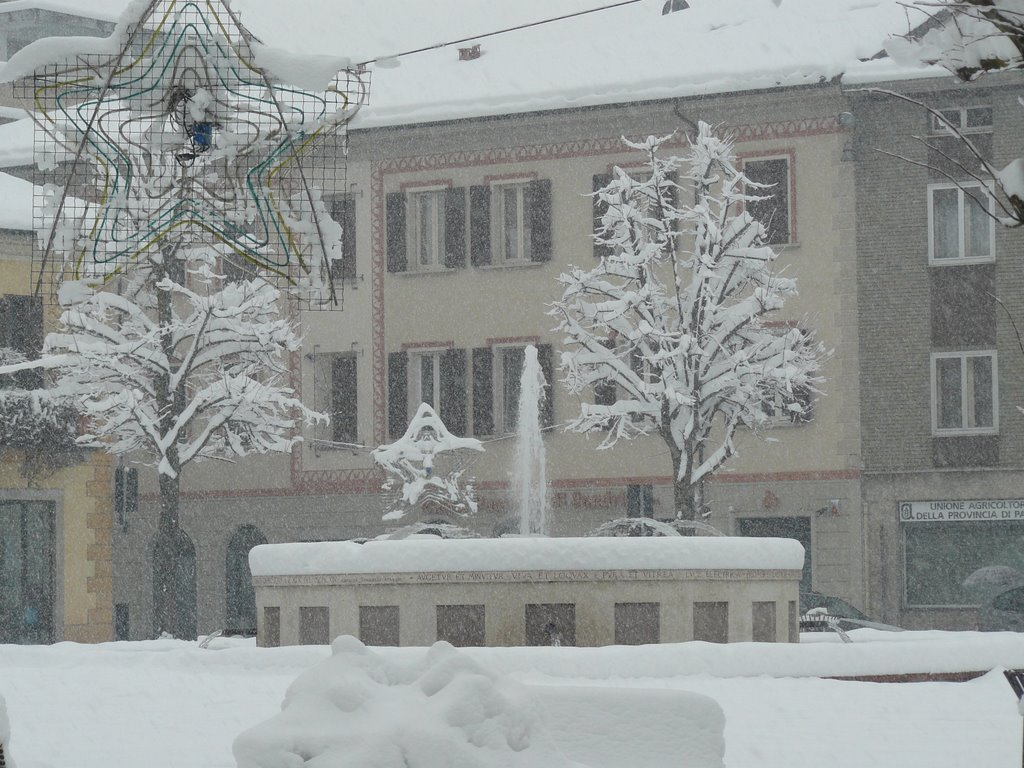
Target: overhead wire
column 496, row 32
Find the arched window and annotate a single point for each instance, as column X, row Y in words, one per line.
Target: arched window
column 240, row 607
column 175, row 556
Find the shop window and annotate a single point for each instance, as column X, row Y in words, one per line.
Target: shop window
column 960, row 227
column 711, row 622
column 798, row 528
column 461, row 625
column 764, row 623
column 378, row 624
column 940, row 559
column 774, row 208
column 314, row 625
column 551, row 624
column 964, row 393
column 271, row 626
column 637, row 623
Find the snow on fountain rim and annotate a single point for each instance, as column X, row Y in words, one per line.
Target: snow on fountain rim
column 526, row 554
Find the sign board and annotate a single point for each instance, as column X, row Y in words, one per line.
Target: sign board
column 961, row 511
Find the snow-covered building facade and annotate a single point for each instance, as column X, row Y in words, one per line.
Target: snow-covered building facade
column 56, row 511
column 940, row 288
column 468, row 193
column 441, row 295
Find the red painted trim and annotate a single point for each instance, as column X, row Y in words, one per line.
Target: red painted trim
column 427, row 344
column 513, row 340
column 412, row 186
column 530, row 176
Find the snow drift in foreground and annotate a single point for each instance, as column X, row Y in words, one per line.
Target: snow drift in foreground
column 439, row 708
column 5, row 737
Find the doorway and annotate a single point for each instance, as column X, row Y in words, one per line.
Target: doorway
column 798, row 528
column 27, row 585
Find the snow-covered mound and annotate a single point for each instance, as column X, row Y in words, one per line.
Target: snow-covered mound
column 439, row 708
column 5, row 737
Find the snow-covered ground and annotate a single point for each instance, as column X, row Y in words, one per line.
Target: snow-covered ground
column 174, row 704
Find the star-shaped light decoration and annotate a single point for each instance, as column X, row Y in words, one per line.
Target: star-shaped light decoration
column 181, row 130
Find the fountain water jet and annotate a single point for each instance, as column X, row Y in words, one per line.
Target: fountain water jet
column 529, row 478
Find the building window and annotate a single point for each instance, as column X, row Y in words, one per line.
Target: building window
column 637, row 623
column 314, row 625
column 960, row 227
column 965, row 393
column 964, row 119
column 639, row 501
column 426, row 229
column 461, row 625
column 27, row 571
column 551, row 624
column 378, row 624
column 336, row 392
column 122, row 621
column 126, row 495
column 508, row 371
column 425, row 386
column 774, row 208
column 511, row 223
column 787, row 408
column 21, row 331
column 343, row 210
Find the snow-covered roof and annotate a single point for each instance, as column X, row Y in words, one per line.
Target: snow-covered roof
column 16, row 140
column 15, row 203
column 625, row 54
column 525, row 554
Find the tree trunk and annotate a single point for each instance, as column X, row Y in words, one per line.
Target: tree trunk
column 165, row 558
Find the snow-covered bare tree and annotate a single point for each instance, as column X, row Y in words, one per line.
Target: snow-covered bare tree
column 173, row 369
column 172, row 362
column 670, row 329
column 969, row 38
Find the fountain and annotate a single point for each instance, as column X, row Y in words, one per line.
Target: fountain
column 529, row 479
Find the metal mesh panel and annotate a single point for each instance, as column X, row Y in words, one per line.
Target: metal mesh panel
column 178, row 140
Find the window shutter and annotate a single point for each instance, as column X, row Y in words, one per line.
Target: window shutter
column 453, row 390
column 601, row 180
column 348, row 239
column 480, row 225
column 344, row 411
column 397, row 261
column 126, row 495
column 454, row 228
column 545, row 356
column 398, row 394
column 483, row 391
column 539, row 207
column 22, row 326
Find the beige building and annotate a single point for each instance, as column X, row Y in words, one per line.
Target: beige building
column 56, row 519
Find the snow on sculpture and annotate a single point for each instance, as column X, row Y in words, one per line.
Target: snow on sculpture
column 178, row 129
column 670, row 329
column 416, row 473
